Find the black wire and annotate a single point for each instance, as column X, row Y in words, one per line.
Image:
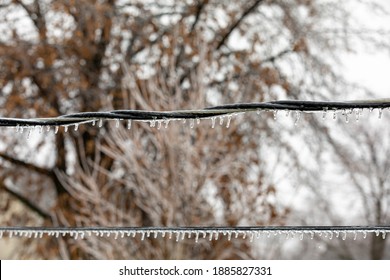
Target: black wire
column 210, row 112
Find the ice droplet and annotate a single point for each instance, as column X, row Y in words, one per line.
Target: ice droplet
column 56, row 129
column 76, row 127
column 371, row 109
column 213, row 122
column 228, row 121
column 220, row 120
column 117, row 123
column 184, row 121
column 297, row 117
column 100, row 124
column 275, row 114
column 334, row 114
column 192, row 123
column 380, row 110
column 128, row 124
column 197, row 121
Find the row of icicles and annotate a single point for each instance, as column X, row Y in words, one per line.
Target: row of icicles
column 159, row 123
column 194, row 234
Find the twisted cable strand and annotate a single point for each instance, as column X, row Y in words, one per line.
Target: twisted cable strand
column 139, row 115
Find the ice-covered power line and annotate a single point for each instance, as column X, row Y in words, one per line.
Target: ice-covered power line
column 196, row 233
column 347, row 108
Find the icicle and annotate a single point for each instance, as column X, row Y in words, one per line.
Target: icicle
column 152, row 123
column 235, row 234
column 66, row 128
column 129, row 124
column 312, row 234
column 177, row 236
column 143, row 236
column 148, row 234
column 355, row 235
column 159, row 124
column 228, row 121
column 287, row 113
column 196, row 236
column 213, row 122
column 29, row 132
column 211, row 236
column 197, row 121
column 76, row 127
column 258, row 111
column 76, row 235
column 17, row 128
column 220, row 120
column 93, row 122
column 229, row 235
column 331, row 235
column 252, row 237
column 116, row 235
column 56, row 129
column 344, row 235
column 275, row 114
column 1, row 234
column 301, row 236
column 297, row 117
column 380, row 110
column 377, row 233
column 334, row 114
column 384, row 234
column 216, row 235
column 40, row 129
column 346, row 116
column 364, row 234
column 371, row 109
column 155, row 234
column 324, row 113
column 21, row 129
column 170, row 235
column 184, row 121
column 48, row 128
column 100, row 124
column 192, row 123
column 163, row 234
column 117, row 123
column 166, row 122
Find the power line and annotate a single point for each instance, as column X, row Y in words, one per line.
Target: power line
column 346, row 107
column 210, row 233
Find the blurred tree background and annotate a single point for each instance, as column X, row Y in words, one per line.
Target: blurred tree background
column 59, row 57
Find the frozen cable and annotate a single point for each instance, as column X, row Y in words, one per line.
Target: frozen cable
column 196, row 233
column 210, row 112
